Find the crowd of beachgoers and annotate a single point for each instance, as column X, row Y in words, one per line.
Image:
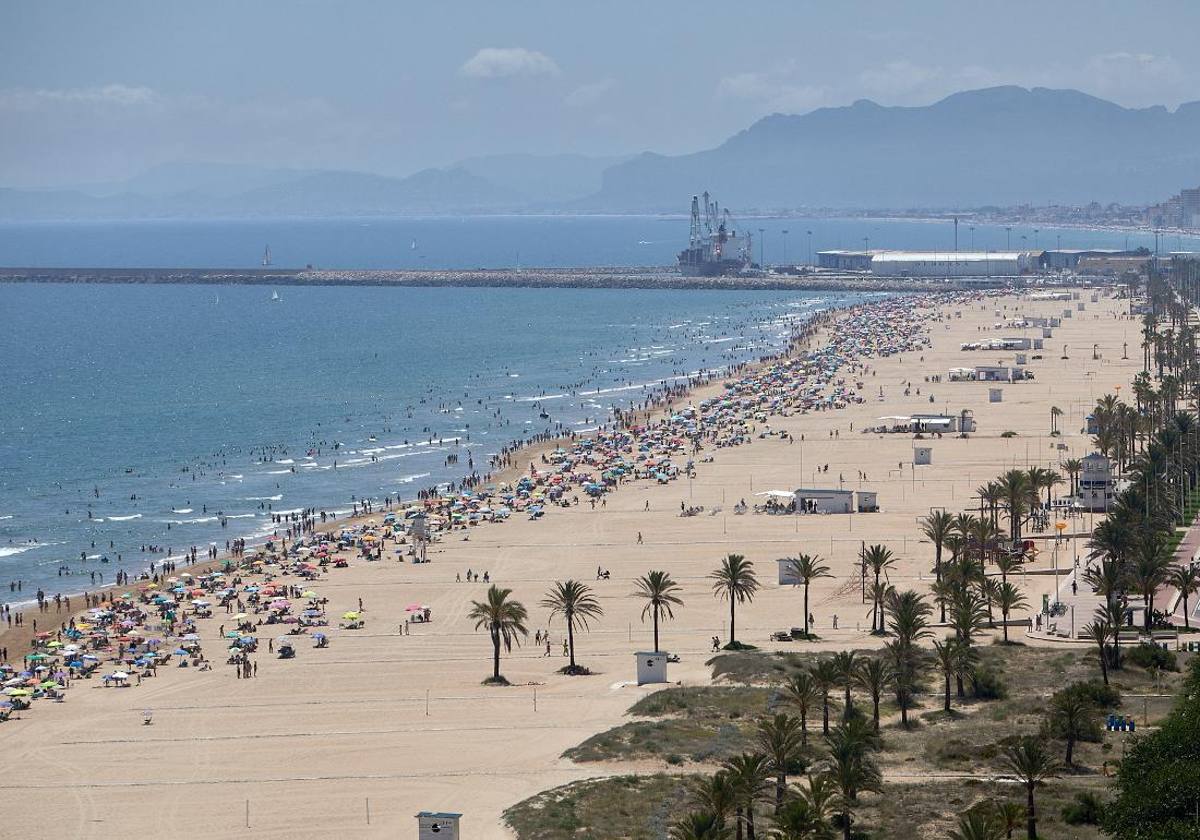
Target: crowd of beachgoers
column 266, row 600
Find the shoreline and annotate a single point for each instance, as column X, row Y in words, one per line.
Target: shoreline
column 664, row 393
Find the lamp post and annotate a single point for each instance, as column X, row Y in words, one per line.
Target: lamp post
column 810, row 262
column 762, row 245
column 1036, row 231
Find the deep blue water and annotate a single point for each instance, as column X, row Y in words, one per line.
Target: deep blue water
column 149, row 406
column 488, row 241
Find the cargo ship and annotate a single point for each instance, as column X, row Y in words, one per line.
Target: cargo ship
column 714, row 247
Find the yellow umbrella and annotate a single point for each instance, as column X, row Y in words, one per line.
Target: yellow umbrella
column 308, row 593
column 350, row 616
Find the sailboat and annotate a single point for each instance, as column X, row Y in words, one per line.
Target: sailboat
column 413, row 246
column 275, row 298
column 266, row 260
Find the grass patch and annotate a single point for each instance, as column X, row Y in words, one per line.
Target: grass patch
column 681, row 725
column 633, row 807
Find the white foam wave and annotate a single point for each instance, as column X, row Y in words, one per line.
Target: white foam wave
column 9, row 551
column 125, row 518
column 409, row 479
column 274, row 498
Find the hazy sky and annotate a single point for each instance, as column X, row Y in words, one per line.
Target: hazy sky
column 93, row 91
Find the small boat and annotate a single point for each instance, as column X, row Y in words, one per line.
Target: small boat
column 275, row 298
column 413, row 246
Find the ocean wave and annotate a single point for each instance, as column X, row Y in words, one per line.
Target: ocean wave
column 409, row 479
column 125, row 518
column 7, row 516
column 241, row 516
column 182, row 510
column 9, row 551
column 276, row 472
column 274, row 498
column 285, row 461
column 195, row 521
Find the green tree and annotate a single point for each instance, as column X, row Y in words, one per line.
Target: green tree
column 503, row 619
column 875, row 676
column 946, row 655
column 846, row 663
column 1009, row 598
column 1151, row 569
column 977, row 824
column 716, row 794
column 658, row 590
column 698, row 825
column 878, row 558
column 825, row 677
column 1072, row 717
column 578, row 605
column 734, row 581
column 807, row 568
column 1029, row 761
column 750, row 774
column 1186, row 580
column 801, row 691
column 1099, row 631
column 852, row 768
column 779, row 740
column 937, row 528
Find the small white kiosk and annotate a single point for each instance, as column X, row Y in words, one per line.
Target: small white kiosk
column 922, row 455
column 435, row 825
column 995, row 395
column 787, row 573
column 651, row 667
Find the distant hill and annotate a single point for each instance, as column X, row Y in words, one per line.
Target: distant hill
column 543, row 179
column 1000, row 146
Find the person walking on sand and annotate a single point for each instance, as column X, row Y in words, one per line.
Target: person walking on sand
column 564, row 647
column 639, row 538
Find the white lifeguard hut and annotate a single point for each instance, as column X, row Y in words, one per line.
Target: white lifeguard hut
column 995, row 395
column 437, row 825
column 1021, row 358
column 1047, row 332
column 922, row 455
column 651, row 667
column 787, row 572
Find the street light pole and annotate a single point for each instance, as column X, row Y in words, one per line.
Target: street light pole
column 810, row 262
column 762, row 244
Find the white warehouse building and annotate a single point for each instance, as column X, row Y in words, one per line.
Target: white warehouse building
column 953, row 264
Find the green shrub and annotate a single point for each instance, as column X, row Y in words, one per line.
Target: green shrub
column 986, row 684
column 1097, row 693
column 1152, row 656
column 1085, row 810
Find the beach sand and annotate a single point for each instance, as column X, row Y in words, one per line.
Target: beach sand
column 380, row 726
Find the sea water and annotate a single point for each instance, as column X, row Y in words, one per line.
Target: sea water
column 138, row 415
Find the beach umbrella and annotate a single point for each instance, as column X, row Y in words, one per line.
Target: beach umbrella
column 179, row 652
column 17, row 692
column 350, row 616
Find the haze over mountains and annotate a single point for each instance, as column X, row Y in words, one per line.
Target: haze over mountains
column 997, row 146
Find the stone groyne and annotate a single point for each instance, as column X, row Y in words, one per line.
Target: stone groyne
column 581, row 278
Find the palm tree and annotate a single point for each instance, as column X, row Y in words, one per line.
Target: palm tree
column 779, row 739
column 1108, row 578
column 801, row 690
column 1009, row 598
column 716, row 794
column 1151, row 569
column 937, row 527
column 658, row 590
column 1055, row 413
column 906, row 664
column 799, row 820
column 750, row 774
column 698, row 825
column 577, row 604
column 874, row 676
column 1008, row 816
column 852, row 768
column 1072, row 716
column 1031, row 764
column 503, row 619
column 947, row 660
column 734, row 581
column 977, row 824
column 825, row 677
column 806, row 569
column 1186, row 581
column 1099, row 631
column 879, row 558
column 846, row 664
column 1073, row 467
column 909, row 614
column 1016, row 492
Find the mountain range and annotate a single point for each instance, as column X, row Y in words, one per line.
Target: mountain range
column 996, row 146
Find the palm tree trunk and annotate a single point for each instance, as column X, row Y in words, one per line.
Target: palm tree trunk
column 804, row 726
column 845, row 825
column 806, row 607
column 732, row 616
column 1185, row 612
column 1104, row 663
column 1070, row 751
column 780, row 788
column 875, row 712
column 846, row 709
column 750, row 820
column 496, row 656
column 947, row 692
column 571, row 642
column 656, row 629
column 825, row 713
column 1030, row 814
column 1149, row 608
column 738, row 821
column 1004, row 615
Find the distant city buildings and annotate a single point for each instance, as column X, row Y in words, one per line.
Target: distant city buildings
column 1181, row 211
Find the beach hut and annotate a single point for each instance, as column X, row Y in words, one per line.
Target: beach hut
column 921, row 455
column 868, row 501
column 818, row 500
column 995, row 395
column 651, row 667
column 1047, row 332
column 437, row 825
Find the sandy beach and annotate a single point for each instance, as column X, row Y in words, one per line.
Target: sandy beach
column 363, row 734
